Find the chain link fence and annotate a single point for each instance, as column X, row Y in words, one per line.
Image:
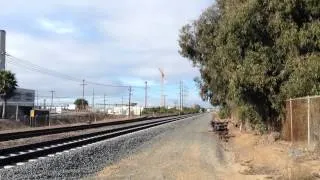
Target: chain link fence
column 302, row 122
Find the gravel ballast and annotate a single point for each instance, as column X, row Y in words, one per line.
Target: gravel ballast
column 37, row 139
column 85, row 161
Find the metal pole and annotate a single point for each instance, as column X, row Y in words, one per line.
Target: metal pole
column 104, row 103
column 182, row 94
column 309, row 135
column 2, row 50
column 146, row 95
column 93, row 100
column 83, row 84
column 180, row 102
column 17, row 112
column 122, row 105
column 291, row 117
column 37, row 99
column 44, row 104
column 83, row 89
column 164, row 101
column 51, row 100
column 130, row 89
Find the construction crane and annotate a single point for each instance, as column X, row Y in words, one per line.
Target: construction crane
column 162, row 84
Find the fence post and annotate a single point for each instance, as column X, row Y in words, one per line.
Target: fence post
column 291, row 126
column 17, row 112
column 309, row 135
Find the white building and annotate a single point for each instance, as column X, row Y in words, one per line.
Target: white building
column 71, row 107
column 123, row 110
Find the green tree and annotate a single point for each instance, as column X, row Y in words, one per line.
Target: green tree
column 81, row 103
column 254, row 54
column 8, row 84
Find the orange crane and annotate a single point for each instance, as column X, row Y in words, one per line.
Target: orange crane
column 162, row 84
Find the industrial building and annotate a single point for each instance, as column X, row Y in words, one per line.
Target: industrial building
column 18, row 106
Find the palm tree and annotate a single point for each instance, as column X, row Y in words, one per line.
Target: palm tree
column 8, row 84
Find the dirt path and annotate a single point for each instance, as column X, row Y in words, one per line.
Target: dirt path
column 189, row 152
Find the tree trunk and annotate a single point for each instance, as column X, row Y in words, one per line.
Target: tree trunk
column 4, row 109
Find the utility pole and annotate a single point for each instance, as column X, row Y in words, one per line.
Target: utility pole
column 44, row 104
column 185, row 95
column 93, row 99
column 83, row 85
column 180, row 94
column 37, row 99
column 104, row 103
column 2, row 50
column 51, row 100
column 130, row 90
column 146, row 95
column 122, row 105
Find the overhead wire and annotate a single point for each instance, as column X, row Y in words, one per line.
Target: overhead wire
column 18, row 62
column 31, row 66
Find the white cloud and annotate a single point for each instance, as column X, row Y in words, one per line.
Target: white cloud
column 56, row 26
column 133, row 39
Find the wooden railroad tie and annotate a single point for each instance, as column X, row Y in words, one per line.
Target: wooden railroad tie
column 221, row 128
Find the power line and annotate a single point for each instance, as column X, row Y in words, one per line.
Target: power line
column 28, row 65
column 33, row 67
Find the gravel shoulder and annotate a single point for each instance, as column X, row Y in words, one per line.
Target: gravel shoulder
column 188, row 152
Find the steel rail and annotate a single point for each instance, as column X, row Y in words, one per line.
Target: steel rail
column 19, row 154
column 57, row 130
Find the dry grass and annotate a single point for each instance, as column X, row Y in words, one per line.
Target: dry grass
column 11, row 124
column 271, row 158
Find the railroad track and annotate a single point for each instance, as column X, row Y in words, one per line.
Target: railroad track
column 49, row 131
column 20, row 154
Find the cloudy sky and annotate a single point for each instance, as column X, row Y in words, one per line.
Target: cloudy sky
column 120, row 42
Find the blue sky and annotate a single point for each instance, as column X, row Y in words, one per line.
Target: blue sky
column 112, row 42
